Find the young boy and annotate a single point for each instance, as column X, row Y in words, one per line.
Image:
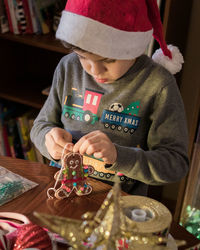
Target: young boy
column 110, row 101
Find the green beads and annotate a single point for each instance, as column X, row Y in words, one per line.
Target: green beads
column 192, row 221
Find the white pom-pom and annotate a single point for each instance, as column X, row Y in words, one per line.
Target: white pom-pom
column 174, row 65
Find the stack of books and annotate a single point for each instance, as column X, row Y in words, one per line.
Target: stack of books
column 15, row 129
column 29, row 16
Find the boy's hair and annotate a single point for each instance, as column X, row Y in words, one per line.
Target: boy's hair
column 71, row 47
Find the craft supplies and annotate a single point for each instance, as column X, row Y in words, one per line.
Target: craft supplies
column 148, row 215
column 12, row 185
column 18, row 232
column 111, row 227
column 72, row 177
column 32, row 236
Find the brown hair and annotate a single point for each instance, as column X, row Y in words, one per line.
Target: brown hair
column 71, row 47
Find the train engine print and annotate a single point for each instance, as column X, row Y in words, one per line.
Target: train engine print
column 116, row 117
column 82, row 109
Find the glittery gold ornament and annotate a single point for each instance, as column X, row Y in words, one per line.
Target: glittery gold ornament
column 67, row 228
column 107, row 228
column 100, row 229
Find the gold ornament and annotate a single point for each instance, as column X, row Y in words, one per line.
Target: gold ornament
column 107, row 228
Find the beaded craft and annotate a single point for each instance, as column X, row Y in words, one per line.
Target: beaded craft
column 72, row 177
column 12, row 185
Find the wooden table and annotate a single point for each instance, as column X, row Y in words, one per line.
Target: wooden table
column 73, row 207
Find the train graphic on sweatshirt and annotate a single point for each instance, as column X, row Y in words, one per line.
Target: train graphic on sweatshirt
column 116, row 117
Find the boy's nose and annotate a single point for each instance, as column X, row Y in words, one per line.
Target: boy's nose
column 97, row 68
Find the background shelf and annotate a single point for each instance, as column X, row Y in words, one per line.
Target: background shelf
column 47, row 42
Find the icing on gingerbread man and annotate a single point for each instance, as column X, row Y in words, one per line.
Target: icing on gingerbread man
column 74, row 176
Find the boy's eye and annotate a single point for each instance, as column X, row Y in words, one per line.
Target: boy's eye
column 106, row 60
column 110, row 61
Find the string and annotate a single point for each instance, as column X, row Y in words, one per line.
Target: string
column 60, row 192
column 59, row 174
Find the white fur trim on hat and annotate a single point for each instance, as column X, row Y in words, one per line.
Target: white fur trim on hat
column 101, row 39
column 174, row 65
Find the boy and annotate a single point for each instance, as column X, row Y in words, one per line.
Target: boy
column 110, row 101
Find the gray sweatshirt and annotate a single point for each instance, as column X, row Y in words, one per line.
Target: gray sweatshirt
column 142, row 113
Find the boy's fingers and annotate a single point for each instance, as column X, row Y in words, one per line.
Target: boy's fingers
column 69, row 146
column 78, row 145
column 61, row 140
column 53, row 149
column 93, row 148
column 98, row 155
column 82, row 145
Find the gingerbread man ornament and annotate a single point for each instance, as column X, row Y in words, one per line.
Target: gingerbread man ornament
column 72, row 177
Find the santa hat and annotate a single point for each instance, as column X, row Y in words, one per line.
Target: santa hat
column 118, row 29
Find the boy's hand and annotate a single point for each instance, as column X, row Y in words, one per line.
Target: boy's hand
column 55, row 141
column 98, row 144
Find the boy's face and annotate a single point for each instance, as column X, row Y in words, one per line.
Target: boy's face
column 103, row 70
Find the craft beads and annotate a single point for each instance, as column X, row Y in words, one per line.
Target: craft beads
column 12, row 185
column 9, row 190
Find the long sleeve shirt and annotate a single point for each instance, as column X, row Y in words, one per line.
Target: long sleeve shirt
column 142, row 113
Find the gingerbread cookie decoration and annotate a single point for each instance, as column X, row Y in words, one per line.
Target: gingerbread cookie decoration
column 72, row 177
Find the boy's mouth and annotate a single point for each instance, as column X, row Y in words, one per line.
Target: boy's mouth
column 102, row 80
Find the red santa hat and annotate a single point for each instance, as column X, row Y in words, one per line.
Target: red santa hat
column 118, row 29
